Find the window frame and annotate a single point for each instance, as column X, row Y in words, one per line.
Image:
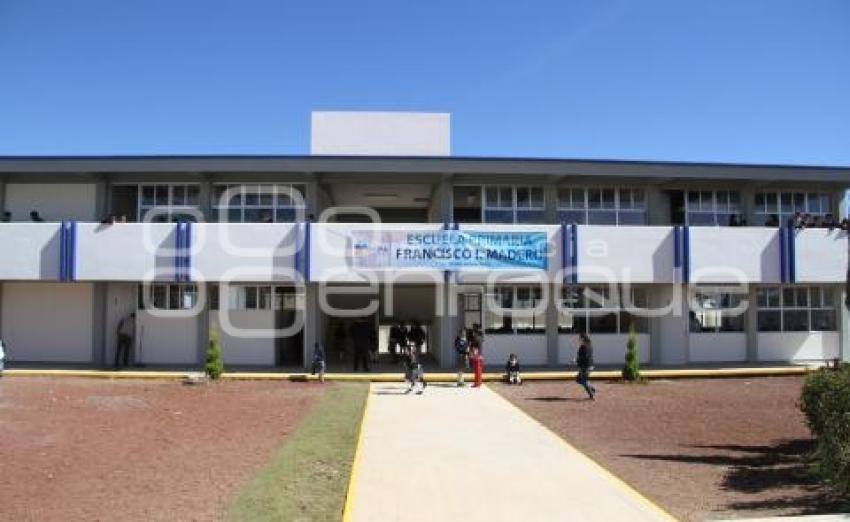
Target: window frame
column 589, row 307
column 826, row 297
column 535, row 293
column 761, row 213
column 222, row 213
column 715, row 210
column 513, row 207
column 728, row 300
column 618, row 209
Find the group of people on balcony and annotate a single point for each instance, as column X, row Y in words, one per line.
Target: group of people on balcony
column 801, row 221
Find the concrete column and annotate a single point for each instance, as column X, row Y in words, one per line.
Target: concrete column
column 445, row 324
column 311, row 201
column 669, row 333
column 99, row 324
column 2, row 195
column 440, row 210
column 205, row 195
column 550, row 200
column 657, row 206
column 204, row 322
column 552, row 326
column 101, row 197
column 843, row 325
column 748, row 199
column 312, row 320
column 751, row 324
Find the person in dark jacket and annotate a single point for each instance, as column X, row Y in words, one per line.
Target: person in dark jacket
column 361, row 336
column 416, row 335
column 584, row 361
column 395, row 342
column 512, row 370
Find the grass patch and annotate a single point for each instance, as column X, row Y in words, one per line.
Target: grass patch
column 308, row 478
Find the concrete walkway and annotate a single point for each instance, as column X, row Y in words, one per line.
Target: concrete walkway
column 467, row 454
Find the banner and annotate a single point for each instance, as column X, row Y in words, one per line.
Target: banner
column 448, row 250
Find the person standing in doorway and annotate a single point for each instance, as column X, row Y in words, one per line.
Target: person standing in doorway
column 319, row 361
column 416, row 335
column 393, row 343
column 126, row 334
column 584, row 361
column 477, row 361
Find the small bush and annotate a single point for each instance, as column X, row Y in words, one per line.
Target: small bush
column 631, row 370
column 215, row 365
column 825, row 401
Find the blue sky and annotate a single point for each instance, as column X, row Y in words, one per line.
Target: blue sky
column 757, row 81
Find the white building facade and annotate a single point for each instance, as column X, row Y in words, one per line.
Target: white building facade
column 280, row 252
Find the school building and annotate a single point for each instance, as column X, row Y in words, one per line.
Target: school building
column 279, row 252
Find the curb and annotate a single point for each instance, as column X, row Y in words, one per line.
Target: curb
column 355, row 464
column 684, row 373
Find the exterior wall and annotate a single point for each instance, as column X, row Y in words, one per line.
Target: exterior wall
column 821, row 255
column 249, row 351
column 244, row 251
column 169, row 339
column 30, row 251
column 125, row 252
column 47, row 322
column 717, row 347
column 53, row 201
column 798, row 346
column 755, row 258
column 608, row 349
column 633, row 254
column 380, row 133
column 529, row 348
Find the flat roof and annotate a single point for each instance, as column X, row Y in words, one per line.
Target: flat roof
column 417, row 165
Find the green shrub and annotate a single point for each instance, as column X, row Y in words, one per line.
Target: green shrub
column 825, row 401
column 631, row 370
column 215, row 365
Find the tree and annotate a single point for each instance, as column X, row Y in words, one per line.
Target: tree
column 631, row 370
column 215, row 365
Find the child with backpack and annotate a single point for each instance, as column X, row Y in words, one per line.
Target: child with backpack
column 413, row 370
column 477, row 361
column 319, row 361
column 461, row 356
column 512, row 370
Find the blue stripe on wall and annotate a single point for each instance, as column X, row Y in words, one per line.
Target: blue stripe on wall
column 307, row 252
column 63, row 253
column 564, row 253
column 574, row 251
column 187, row 259
column 783, row 239
column 686, row 254
column 792, row 256
column 677, row 252
column 72, row 251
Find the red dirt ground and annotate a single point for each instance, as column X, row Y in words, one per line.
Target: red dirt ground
column 75, row 449
column 702, row 449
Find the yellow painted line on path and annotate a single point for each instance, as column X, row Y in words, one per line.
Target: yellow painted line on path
column 355, row 465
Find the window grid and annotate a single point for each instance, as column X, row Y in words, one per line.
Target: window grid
column 594, row 310
column 514, row 298
column 796, row 309
column 169, row 296
column 256, row 297
column 711, row 207
column 173, row 201
column 777, row 208
column 512, row 204
column 257, row 203
column 602, row 206
column 715, row 310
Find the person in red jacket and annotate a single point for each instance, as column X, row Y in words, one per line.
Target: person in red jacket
column 477, row 360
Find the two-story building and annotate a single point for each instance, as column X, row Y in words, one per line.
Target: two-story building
column 381, row 224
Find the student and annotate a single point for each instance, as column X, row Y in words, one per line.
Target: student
column 319, row 361
column 477, row 361
column 6, row 217
column 413, row 371
column 361, row 335
column 772, row 221
column 461, row 356
column 126, row 334
column 34, row 217
column 2, row 357
column 584, row 361
column 512, row 370
column 829, row 222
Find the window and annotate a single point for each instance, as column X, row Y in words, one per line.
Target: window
column 777, row 208
column 516, row 314
column 169, row 296
column 711, row 207
column 714, row 309
column 171, row 201
column 602, row 309
column 502, row 204
column 796, row 309
column 602, row 206
column 257, row 297
column 258, row 203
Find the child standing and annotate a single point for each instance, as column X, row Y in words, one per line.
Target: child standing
column 319, row 361
column 477, row 361
column 461, row 356
column 413, row 370
column 512, row 370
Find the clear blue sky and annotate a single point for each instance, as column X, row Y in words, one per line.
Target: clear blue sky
column 758, row 81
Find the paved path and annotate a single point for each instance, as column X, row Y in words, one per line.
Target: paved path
column 467, row 454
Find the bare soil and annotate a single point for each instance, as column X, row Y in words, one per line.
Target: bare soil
column 77, row 449
column 702, row 448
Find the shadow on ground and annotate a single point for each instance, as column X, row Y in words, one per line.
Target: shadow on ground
column 760, row 469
